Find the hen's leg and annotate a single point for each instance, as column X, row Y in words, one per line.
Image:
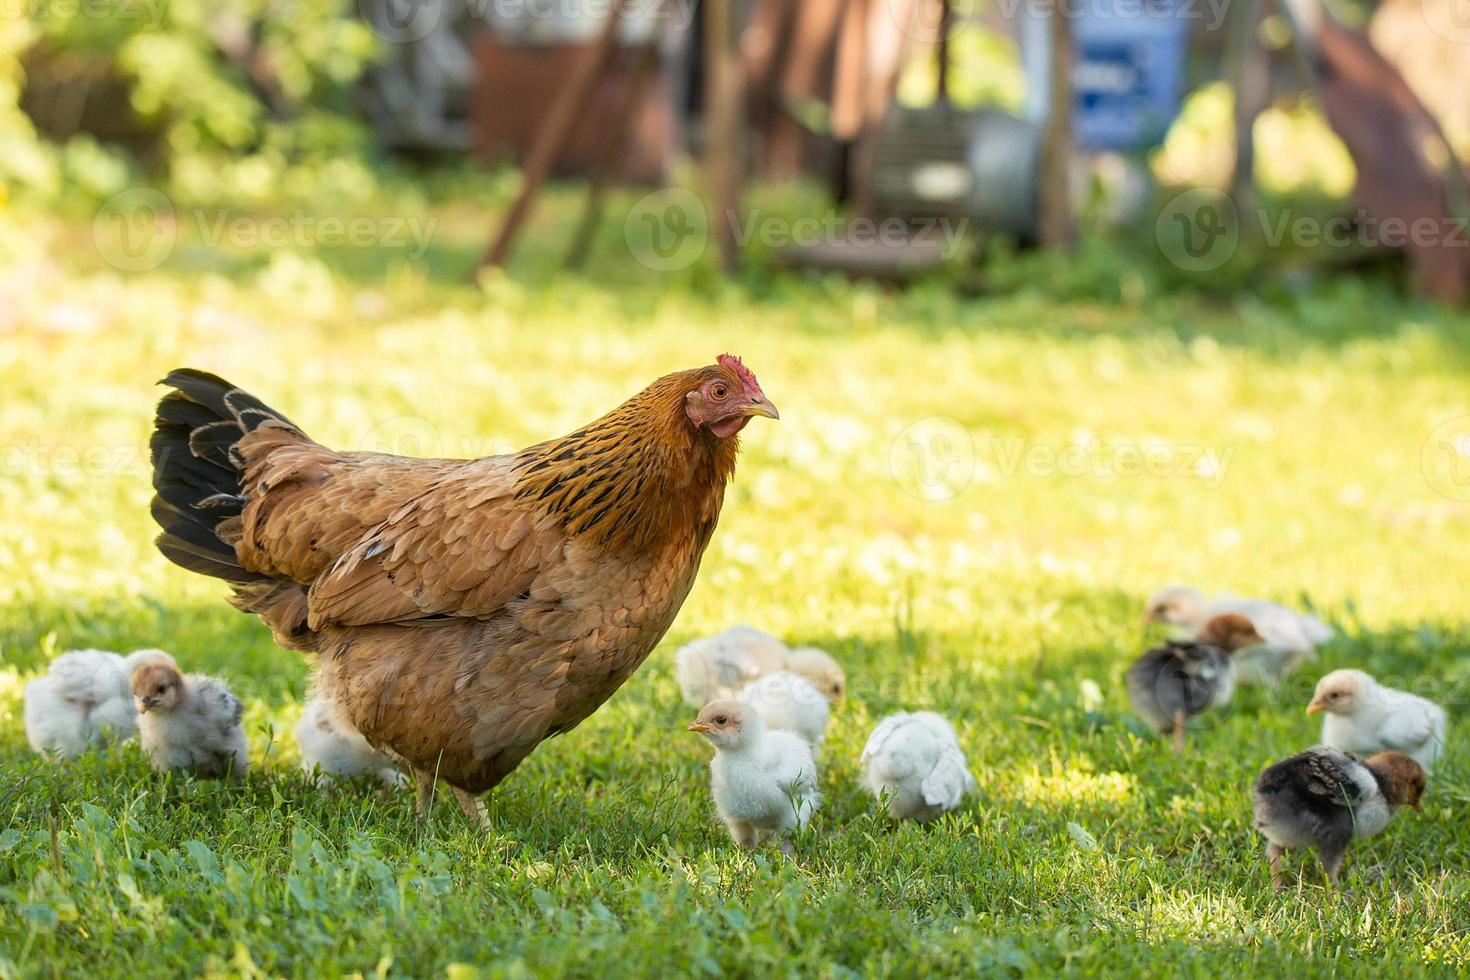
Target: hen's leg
column 423, row 782
column 1274, row 853
column 1179, row 731
column 473, row 807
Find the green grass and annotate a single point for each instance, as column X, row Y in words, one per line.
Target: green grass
column 1009, row 603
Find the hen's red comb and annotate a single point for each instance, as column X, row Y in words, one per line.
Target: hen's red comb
column 747, row 378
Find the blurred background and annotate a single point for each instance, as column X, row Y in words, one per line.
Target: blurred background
column 1207, row 145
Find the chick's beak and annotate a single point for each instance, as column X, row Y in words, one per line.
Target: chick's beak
column 1417, row 807
column 1314, row 707
column 144, row 705
column 1148, row 617
column 699, row 726
column 761, row 406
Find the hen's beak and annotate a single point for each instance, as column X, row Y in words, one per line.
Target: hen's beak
column 1417, row 808
column 1314, row 707
column 699, row 726
column 762, row 407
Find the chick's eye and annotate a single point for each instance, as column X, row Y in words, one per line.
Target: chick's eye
column 161, row 689
column 721, row 720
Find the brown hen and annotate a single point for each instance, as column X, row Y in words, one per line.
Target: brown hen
column 460, row 611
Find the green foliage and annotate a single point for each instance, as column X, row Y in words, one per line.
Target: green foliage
column 240, row 100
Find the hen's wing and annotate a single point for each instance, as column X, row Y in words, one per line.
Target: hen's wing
column 464, row 547
column 386, row 539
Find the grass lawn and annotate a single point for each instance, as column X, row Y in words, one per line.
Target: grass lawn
column 966, row 501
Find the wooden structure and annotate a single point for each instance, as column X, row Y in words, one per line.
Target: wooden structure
column 1390, row 135
column 794, row 79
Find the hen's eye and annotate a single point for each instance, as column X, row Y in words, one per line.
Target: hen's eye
column 718, row 392
column 721, row 720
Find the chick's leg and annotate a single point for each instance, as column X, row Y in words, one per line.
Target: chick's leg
column 1274, row 853
column 1179, row 718
column 1331, row 864
column 473, row 807
column 742, row 832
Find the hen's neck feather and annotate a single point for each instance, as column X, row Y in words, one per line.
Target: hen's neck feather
column 638, row 477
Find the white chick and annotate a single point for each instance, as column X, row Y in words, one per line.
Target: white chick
column 764, row 783
column 915, row 761
column 332, row 749
column 83, row 700
column 1364, row 717
column 788, row 702
column 715, row 667
column 189, row 722
column 818, row 667
column 1291, row 638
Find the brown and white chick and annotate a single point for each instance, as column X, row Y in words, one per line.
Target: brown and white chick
column 189, row 722
column 1289, row 638
column 822, row 670
column 764, row 783
column 715, row 667
column 331, row 749
column 83, row 701
column 1170, row 684
column 1362, row 716
column 788, row 702
column 1325, row 799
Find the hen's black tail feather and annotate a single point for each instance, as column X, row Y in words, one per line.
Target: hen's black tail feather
column 197, row 470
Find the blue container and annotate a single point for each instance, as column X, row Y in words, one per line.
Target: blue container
column 1127, row 69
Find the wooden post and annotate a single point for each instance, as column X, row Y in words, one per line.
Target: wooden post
column 723, row 114
column 1250, row 74
column 554, row 135
column 816, row 22
column 612, row 152
column 1058, row 227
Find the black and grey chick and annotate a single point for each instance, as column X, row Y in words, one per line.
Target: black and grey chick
column 1170, row 684
column 1325, row 799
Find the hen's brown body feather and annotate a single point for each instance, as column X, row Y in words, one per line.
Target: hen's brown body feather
column 461, row 611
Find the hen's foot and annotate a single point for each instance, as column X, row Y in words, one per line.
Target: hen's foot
column 474, row 807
